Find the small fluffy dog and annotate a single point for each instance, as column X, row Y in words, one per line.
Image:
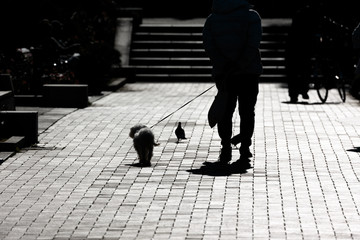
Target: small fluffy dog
column 144, row 142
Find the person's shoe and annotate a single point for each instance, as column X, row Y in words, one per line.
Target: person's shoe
column 225, row 155
column 245, row 153
column 293, row 100
column 241, row 165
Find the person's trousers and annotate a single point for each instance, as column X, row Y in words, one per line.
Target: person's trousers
column 299, row 72
column 242, row 89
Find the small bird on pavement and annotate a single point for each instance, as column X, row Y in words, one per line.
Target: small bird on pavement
column 179, row 132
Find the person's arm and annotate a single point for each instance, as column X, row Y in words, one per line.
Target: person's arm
column 208, row 41
column 356, row 37
column 251, row 50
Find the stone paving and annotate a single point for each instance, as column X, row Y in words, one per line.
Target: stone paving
column 82, row 182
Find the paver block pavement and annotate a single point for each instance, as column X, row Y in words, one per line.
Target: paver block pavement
column 81, row 182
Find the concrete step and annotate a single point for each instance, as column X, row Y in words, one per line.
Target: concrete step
column 166, row 52
column 12, row 144
column 194, row 44
column 5, row 155
column 200, row 61
column 115, row 83
column 197, row 28
column 198, row 78
column 192, row 69
column 189, row 36
column 196, row 53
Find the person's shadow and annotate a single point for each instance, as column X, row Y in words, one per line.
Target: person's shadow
column 356, row 149
column 220, row 169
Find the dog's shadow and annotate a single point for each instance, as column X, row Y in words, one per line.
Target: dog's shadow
column 220, row 169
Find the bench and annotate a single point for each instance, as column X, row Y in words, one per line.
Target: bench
column 65, row 95
column 20, row 123
column 7, row 101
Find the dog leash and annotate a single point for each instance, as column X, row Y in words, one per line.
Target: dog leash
column 183, row 106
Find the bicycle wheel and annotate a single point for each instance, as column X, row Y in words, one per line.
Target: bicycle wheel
column 340, row 84
column 322, row 90
column 319, row 79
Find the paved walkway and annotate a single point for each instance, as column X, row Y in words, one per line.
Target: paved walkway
column 81, row 182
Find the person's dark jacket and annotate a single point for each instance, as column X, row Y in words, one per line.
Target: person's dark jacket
column 232, row 35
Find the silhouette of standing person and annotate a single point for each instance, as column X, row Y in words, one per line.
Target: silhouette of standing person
column 355, row 87
column 301, row 47
column 231, row 38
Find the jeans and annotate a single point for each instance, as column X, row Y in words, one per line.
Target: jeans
column 243, row 89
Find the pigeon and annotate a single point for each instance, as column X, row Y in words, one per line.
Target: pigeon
column 179, row 132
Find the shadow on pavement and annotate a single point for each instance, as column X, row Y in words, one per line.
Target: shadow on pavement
column 356, row 149
column 140, row 165
column 314, row 103
column 220, row 169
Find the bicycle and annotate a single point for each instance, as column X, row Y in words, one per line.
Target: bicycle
column 331, row 61
column 326, row 75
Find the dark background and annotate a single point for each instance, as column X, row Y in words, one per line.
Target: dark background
column 267, row 8
column 17, row 17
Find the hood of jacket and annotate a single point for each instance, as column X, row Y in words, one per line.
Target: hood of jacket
column 227, row 6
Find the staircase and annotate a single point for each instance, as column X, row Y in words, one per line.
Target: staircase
column 168, row 52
